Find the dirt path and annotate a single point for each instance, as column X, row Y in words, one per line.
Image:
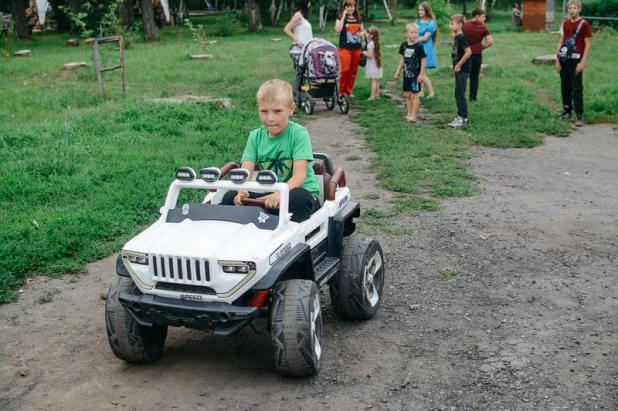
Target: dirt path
column 504, row 300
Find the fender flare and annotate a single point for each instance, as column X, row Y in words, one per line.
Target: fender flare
column 281, row 269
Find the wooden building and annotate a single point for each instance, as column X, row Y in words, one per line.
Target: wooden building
column 533, row 14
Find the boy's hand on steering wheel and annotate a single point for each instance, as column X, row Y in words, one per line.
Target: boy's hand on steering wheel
column 239, row 197
column 272, row 200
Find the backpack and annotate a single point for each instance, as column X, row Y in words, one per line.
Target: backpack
column 566, row 51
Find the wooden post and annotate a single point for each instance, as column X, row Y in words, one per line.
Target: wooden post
column 124, row 81
column 97, row 62
column 97, row 66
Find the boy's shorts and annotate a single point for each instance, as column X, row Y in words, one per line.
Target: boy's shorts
column 410, row 84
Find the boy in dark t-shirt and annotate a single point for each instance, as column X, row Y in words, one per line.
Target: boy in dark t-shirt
column 461, row 67
column 413, row 63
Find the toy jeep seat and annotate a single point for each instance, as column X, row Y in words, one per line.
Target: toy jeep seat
column 323, row 170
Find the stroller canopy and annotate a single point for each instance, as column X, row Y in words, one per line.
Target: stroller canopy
column 322, row 59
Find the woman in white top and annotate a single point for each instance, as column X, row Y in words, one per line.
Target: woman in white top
column 299, row 28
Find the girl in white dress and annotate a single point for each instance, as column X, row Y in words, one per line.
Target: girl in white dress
column 373, row 69
column 299, row 28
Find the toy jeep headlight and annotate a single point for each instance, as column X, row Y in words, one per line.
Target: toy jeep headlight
column 137, row 258
column 185, row 174
column 237, row 267
column 266, row 177
column 239, row 175
column 210, row 174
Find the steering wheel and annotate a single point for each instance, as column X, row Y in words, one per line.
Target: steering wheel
column 258, row 202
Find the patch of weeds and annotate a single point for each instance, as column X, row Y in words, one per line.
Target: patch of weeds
column 335, row 145
column 446, row 273
column 372, row 196
column 354, row 157
column 48, row 296
column 15, row 319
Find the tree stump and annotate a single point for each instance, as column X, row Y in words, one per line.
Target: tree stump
column 222, row 102
column 72, row 42
column 201, row 56
column 275, row 39
column 546, row 59
column 23, row 53
column 74, row 66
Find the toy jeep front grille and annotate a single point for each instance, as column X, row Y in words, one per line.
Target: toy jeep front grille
column 181, row 270
column 183, row 288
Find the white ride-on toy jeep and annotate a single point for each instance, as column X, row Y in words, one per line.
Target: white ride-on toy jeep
column 215, row 267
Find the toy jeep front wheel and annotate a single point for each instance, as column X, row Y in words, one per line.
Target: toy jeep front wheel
column 357, row 292
column 296, row 328
column 130, row 341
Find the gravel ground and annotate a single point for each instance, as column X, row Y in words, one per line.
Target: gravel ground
column 501, row 301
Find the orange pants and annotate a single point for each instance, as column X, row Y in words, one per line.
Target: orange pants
column 349, row 66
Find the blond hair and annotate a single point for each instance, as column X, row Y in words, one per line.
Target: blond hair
column 578, row 3
column 411, row 26
column 458, row 18
column 275, row 91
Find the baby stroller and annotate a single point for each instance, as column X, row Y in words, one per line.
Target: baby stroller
column 317, row 70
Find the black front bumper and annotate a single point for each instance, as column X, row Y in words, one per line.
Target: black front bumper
column 223, row 318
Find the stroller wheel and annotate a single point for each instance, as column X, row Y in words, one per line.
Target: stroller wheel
column 330, row 102
column 297, row 99
column 344, row 103
column 308, row 105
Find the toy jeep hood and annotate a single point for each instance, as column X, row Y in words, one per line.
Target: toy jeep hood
column 211, row 239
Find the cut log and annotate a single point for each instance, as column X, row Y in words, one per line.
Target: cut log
column 74, row 65
column 222, row 102
column 546, row 59
column 72, row 42
column 201, row 56
column 23, row 53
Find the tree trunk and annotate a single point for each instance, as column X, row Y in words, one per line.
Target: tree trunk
column 22, row 30
column 125, row 12
column 550, row 9
column 255, row 19
column 148, row 20
column 74, row 7
column 273, row 12
column 465, row 7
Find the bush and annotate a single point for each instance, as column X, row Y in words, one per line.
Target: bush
column 602, row 8
column 225, row 25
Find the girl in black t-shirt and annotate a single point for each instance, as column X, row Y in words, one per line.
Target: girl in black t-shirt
column 350, row 29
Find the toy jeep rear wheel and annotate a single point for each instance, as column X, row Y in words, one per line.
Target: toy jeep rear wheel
column 296, row 328
column 357, row 292
column 128, row 340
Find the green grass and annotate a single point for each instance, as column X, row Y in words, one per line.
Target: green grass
column 83, row 174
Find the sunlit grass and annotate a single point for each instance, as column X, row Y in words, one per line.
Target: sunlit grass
column 81, row 174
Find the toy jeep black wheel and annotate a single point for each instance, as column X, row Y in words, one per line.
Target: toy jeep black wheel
column 296, row 328
column 129, row 341
column 357, row 292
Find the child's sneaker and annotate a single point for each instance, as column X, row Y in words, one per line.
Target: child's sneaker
column 465, row 122
column 566, row 116
column 458, row 122
column 580, row 120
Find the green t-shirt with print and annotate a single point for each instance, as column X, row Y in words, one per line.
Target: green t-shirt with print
column 279, row 153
